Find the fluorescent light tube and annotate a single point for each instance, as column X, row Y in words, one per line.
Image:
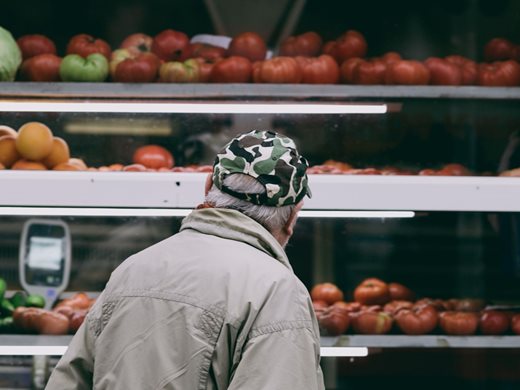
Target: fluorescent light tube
column 344, row 351
column 192, row 108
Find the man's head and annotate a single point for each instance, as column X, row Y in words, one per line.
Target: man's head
column 261, row 174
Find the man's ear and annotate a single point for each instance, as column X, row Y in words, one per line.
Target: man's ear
column 209, row 183
column 289, row 226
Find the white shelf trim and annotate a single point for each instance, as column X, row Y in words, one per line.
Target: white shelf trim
column 168, row 190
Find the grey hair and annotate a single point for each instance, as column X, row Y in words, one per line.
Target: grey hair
column 270, row 217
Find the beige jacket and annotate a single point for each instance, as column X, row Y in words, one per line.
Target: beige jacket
column 216, row 306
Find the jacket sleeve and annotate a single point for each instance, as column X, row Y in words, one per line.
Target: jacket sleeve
column 287, row 359
column 74, row 370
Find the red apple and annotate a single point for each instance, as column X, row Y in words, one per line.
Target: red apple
column 137, row 43
column 169, row 44
column 33, row 44
column 42, row 67
column 84, row 45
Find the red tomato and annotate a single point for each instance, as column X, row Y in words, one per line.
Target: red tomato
column 499, row 49
column 499, row 74
column 153, row 156
column 205, row 51
column 249, row 45
column 400, row 292
column 372, row 322
column 438, row 304
column 419, row 320
column 348, row 45
column 494, row 322
column 407, row 72
column 35, row 44
column 391, row 57
column 394, row 307
column 50, row 322
column 169, row 44
column 469, row 304
column 137, row 43
column 372, row 291
column 84, row 45
column 42, row 67
column 318, row 70
column 515, row 324
column 334, row 320
column 327, row 292
column 231, row 70
column 76, row 319
column 277, row 70
column 347, row 70
column 134, row 168
column 454, row 170
column 143, row 68
column 458, row 322
column 468, row 68
column 319, row 306
column 443, row 72
column 369, row 72
column 306, row 45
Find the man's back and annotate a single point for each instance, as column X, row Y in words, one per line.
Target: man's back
column 216, row 306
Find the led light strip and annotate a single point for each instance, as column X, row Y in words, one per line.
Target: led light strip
column 156, row 212
column 344, row 351
column 192, row 108
column 59, row 350
column 355, row 214
column 32, row 350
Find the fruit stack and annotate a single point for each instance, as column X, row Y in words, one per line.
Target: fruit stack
column 381, row 308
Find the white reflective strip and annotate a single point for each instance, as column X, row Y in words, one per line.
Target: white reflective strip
column 343, row 351
column 355, row 214
column 31, row 350
column 94, row 212
column 192, row 108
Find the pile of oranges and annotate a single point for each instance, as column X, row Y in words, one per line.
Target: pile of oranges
column 34, row 147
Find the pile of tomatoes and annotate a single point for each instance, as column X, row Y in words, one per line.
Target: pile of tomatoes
column 171, row 57
column 381, row 308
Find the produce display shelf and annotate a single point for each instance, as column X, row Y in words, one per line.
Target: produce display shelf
column 421, row 341
column 345, row 345
column 250, row 91
column 168, row 191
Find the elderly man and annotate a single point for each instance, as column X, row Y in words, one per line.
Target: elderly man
column 217, row 305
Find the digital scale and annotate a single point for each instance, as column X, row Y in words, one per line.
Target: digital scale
column 44, row 258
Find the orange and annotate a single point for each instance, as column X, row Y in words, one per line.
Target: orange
column 79, row 162
column 34, row 141
column 8, row 152
column 6, row 130
column 29, row 165
column 59, row 153
column 66, row 166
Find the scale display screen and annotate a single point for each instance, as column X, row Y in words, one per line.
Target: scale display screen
column 45, row 252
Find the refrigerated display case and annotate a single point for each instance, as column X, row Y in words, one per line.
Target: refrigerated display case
column 446, row 237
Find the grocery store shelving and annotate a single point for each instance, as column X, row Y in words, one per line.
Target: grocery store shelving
column 345, row 345
column 252, row 91
column 168, row 190
column 421, row 341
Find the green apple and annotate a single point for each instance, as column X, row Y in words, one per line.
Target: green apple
column 93, row 68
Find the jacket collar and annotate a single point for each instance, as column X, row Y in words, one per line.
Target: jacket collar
column 234, row 225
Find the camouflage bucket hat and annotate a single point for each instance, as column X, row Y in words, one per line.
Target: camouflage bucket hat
column 270, row 158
